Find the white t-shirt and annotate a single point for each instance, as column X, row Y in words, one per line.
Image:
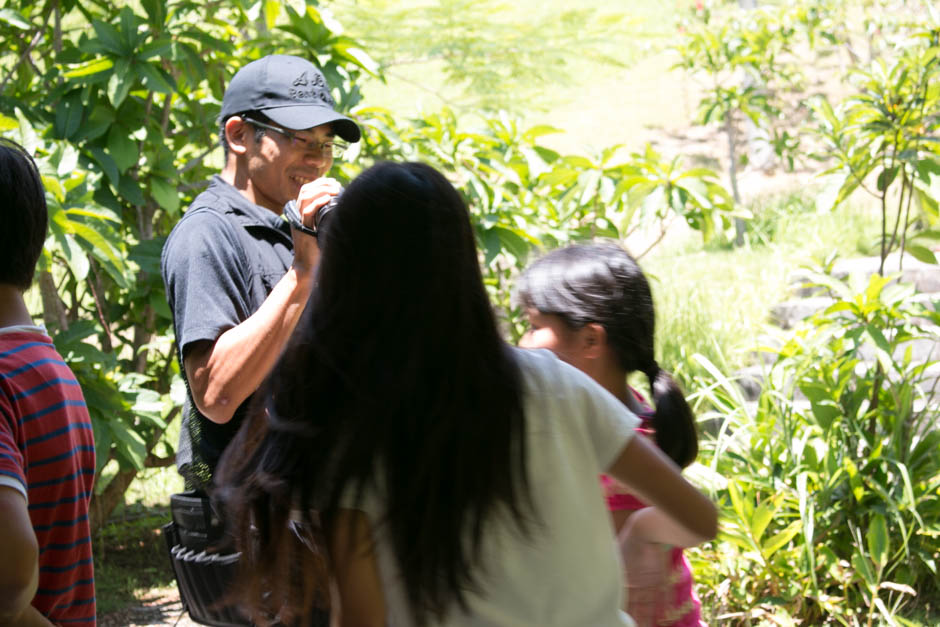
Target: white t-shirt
column 567, row 572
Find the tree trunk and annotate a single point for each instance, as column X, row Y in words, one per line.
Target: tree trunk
column 53, row 311
column 103, row 504
column 733, row 174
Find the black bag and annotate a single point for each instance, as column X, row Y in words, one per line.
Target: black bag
column 204, row 567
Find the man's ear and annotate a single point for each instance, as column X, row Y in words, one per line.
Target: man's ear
column 236, row 134
column 593, row 340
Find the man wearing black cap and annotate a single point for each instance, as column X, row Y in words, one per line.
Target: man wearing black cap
column 237, row 279
column 237, row 276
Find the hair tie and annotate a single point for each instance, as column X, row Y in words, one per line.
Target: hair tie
column 652, row 370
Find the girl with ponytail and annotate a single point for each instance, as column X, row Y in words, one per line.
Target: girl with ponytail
column 591, row 305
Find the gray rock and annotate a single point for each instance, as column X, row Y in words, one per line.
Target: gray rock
column 924, row 276
column 786, row 314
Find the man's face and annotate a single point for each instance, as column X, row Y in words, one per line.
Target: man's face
column 278, row 165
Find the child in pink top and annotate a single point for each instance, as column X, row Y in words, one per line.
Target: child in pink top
column 592, row 306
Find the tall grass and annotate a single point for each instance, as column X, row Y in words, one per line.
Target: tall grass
column 715, row 300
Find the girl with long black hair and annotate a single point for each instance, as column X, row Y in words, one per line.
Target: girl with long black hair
column 403, row 452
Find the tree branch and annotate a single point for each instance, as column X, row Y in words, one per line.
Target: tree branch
column 32, row 44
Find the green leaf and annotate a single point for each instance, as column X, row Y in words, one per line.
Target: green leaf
column 863, row 567
column 779, row 540
column 272, row 8
column 154, row 77
column 95, row 125
column 491, row 246
column 90, row 68
column 68, row 115
column 146, row 254
column 99, row 213
column 130, row 190
column 8, row 124
column 886, row 177
column 120, row 83
column 102, row 434
column 109, row 37
column 107, row 164
column 922, row 253
column 157, row 48
column 98, row 243
column 512, row 242
column 122, row 148
column 559, row 175
column 361, row 58
column 15, row 19
column 742, row 507
column 762, row 517
column 539, row 130
column 129, row 29
column 156, row 11
column 877, row 540
column 160, row 305
column 165, row 194
column 131, row 446
column 75, row 257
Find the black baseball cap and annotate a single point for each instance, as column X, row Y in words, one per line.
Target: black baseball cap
column 290, row 91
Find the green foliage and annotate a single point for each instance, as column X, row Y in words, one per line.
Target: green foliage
column 749, row 59
column 883, row 139
column 118, row 103
column 831, row 509
column 523, row 196
column 490, row 57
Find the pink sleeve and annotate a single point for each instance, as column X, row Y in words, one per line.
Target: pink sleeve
column 617, row 496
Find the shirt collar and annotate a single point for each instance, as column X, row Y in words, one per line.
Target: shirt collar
column 243, row 210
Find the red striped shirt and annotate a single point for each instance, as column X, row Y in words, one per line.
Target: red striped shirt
column 47, row 451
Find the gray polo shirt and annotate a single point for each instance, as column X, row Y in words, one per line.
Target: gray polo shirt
column 219, row 264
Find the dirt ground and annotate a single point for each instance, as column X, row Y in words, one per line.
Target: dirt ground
column 160, row 606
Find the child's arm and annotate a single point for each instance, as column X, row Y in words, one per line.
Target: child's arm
column 681, row 515
column 355, row 571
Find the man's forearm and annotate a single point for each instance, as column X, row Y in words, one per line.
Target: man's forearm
column 223, row 376
column 19, row 554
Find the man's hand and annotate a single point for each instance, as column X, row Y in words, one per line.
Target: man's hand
column 311, row 198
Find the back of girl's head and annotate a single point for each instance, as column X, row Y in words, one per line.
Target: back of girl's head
column 399, row 252
column 397, row 370
column 601, row 283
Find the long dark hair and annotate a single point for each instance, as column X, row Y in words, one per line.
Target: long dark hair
column 396, row 379
column 601, row 283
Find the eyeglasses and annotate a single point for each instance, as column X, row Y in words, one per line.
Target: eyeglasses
column 336, row 148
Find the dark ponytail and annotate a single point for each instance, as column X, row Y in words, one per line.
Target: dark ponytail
column 601, row 283
column 673, row 422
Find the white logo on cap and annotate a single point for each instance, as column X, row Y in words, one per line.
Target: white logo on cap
column 301, row 80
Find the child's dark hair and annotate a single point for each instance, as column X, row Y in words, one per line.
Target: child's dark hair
column 601, row 283
column 23, row 215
